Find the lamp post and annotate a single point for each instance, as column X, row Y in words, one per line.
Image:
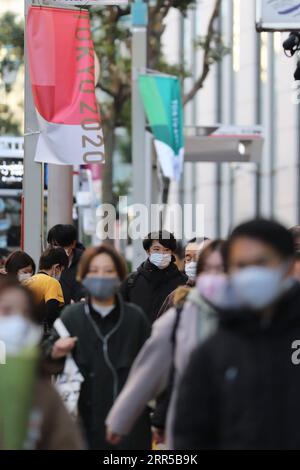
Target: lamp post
column 139, row 157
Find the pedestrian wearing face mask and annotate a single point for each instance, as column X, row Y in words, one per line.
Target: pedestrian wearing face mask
column 241, row 388
column 162, row 360
column 157, row 277
column 65, row 236
column 42, row 422
column 20, row 265
column 106, row 336
column 46, row 287
column 177, row 297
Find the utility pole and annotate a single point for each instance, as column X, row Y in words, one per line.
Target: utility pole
column 33, row 182
column 139, row 62
column 60, row 195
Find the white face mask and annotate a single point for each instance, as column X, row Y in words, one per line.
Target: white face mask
column 160, row 260
column 257, row 287
column 23, row 276
column 190, row 269
column 17, row 332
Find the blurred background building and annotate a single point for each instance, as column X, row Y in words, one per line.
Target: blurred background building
column 253, row 85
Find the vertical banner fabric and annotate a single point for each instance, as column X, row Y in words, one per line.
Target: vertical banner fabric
column 163, row 106
column 62, row 73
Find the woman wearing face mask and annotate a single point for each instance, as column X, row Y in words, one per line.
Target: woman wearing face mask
column 49, row 425
column 106, row 336
column 20, row 264
column 174, row 336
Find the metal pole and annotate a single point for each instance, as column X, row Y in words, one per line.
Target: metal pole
column 33, row 184
column 60, row 195
column 139, row 61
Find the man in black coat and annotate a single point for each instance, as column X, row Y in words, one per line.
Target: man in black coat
column 65, row 236
column 241, row 389
column 157, row 277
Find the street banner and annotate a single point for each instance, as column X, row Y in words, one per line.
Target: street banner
column 277, row 15
column 62, row 73
column 161, row 95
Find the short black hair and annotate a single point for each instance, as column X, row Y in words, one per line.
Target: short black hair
column 164, row 237
column 269, row 232
column 53, row 256
column 18, row 260
column 62, row 235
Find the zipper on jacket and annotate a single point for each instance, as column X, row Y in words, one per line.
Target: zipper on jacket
column 104, row 340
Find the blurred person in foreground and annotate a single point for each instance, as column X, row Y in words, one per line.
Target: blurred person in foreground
column 106, row 336
column 164, row 356
column 65, row 236
column 157, row 277
column 241, row 388
column 28, row 403
column 20, row 265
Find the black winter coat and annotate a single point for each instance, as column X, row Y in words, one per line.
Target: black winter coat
column 72, row 289
column 241, row 389
column 149, row 286
column 131, row 329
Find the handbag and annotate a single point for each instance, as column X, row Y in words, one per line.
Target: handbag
column 68, row 383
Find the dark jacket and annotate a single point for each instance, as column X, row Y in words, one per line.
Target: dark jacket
column 72, row 289
column 104, row 353
column 149, row 286
column 241, row 389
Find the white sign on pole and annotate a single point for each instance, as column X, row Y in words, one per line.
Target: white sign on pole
column 277, row 15
column 78, row 3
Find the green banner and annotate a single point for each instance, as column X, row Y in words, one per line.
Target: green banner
column 161, row 96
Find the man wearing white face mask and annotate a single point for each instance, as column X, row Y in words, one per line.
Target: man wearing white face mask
column 241, row 388
column 157, row 277
column 191, row 254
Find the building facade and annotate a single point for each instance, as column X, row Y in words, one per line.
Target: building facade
column 253, row 84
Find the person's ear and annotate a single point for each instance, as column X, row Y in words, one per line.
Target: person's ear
column 54, row 268
column 74, row 244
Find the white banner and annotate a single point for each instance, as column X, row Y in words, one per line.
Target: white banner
column 277, row 15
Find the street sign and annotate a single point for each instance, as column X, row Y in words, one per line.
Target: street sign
column 78, row 3
column 224, row 144
column 277, row 15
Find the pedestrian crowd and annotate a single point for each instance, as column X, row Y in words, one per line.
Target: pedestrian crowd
column 202, row 355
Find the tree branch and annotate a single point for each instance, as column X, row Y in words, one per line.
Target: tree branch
column 206, row 62
column 106, row 90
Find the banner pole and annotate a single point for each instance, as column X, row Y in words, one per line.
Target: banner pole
column 33, row 185
column 139, row 61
